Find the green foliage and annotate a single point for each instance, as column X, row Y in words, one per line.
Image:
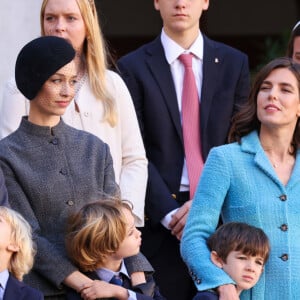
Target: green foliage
column 274, row 47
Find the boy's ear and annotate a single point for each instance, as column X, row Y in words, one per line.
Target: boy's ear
column 13, row 248
column 216, row 259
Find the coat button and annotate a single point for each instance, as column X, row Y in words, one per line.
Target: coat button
column 63, row 172
column 284, row 227
column 70, row 203
column 284, row 257
column 54, row 141
column 283, row 197
column 198, row 281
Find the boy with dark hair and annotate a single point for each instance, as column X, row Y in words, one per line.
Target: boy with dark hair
column 241, row 251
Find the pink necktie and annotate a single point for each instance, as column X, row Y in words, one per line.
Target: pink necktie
column 191, row 124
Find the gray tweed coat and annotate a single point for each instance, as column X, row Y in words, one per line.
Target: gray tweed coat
column 49, row 173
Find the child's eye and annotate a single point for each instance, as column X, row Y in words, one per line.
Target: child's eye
column 242, row 257
column 260, row 262
column 130, row 232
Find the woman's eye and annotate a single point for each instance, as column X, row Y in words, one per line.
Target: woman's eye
column 71, row 18
column 264, row 87
column 49, row 18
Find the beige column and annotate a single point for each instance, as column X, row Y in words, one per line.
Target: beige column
column 19, row 23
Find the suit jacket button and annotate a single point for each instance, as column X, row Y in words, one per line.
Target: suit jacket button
column 174, row 196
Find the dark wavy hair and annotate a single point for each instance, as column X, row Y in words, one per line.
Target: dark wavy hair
column 246, row 119
column 290, row 47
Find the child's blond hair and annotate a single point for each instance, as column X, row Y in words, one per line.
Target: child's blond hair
column 95, row 231
column 21, row 261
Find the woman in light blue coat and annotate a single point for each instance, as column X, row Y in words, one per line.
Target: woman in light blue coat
column 255, row 179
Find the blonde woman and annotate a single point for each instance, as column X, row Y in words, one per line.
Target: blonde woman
column 102, row 105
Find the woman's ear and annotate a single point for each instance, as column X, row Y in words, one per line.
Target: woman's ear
column 216, row 259
column 13, row 248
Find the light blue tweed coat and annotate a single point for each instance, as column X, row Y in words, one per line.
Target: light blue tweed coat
column 239, row 182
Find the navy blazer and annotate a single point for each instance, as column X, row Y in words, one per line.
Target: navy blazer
column 18, row 290
column 225, row 86
column 206, row 295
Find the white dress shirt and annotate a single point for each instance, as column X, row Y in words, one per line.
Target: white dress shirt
column 106, row 275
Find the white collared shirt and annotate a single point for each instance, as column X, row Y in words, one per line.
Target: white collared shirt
column 106, row 275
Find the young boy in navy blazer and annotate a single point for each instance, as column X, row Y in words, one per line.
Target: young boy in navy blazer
column 99, row 239
column 16, row 256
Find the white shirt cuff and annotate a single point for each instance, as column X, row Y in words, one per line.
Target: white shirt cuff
column 167, row 218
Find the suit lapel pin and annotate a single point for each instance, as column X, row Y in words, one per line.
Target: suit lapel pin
column 216, row 60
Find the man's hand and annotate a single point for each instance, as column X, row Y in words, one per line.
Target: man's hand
column 179, row 219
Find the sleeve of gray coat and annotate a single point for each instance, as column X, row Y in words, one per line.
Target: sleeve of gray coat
column 3, row 191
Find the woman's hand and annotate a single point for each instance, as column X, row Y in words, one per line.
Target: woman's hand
column 228, row 292
column 101, row 289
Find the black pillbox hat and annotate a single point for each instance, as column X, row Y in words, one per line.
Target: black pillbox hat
column 40, row 59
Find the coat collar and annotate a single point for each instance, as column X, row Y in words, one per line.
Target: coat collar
column 251, row 144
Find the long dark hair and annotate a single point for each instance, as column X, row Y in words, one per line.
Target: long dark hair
column 246, row 120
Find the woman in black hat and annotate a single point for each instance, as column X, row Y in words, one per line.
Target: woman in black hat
column 50, row 168
column 102, row 104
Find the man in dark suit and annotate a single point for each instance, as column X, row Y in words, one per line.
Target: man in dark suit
column 154, row 75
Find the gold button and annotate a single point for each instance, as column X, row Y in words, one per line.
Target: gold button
column 174, row 196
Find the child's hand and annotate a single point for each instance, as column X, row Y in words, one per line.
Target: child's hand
column 102, row 289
